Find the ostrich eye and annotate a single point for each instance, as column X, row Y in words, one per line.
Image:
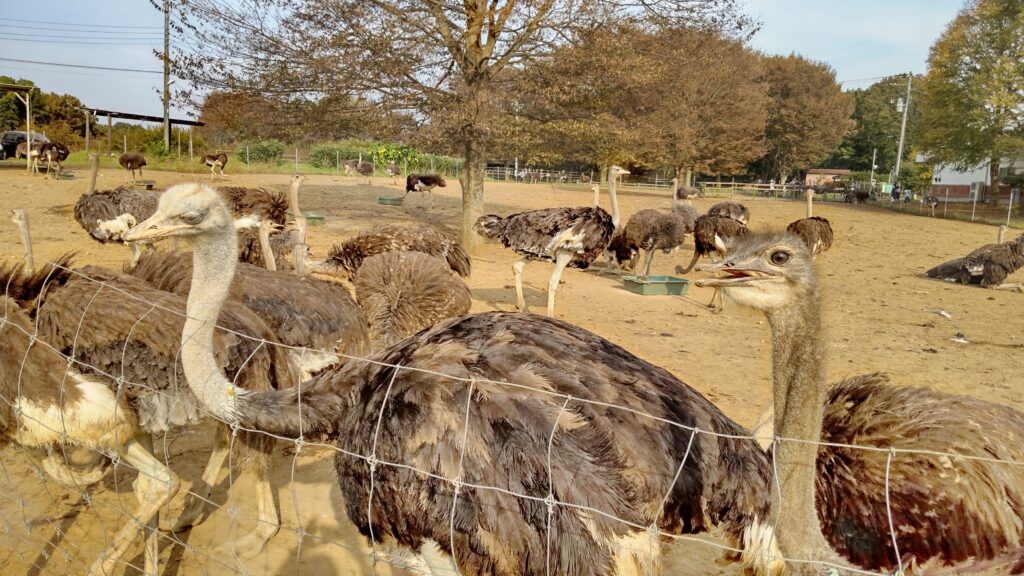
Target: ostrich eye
column 193, row 218
column 779, row 257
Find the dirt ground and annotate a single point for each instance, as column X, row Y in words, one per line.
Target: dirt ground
column 880, row 316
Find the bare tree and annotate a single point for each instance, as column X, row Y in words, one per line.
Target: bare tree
column 439, row 59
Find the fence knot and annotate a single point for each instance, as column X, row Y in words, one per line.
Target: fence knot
column 371, row 460
column 299, row 443
column 38, row 471
column 300, row 534
column 457, row 484
column 653, row 532
column 550, row 502
column 86, row 497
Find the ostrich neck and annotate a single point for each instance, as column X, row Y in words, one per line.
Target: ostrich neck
column 615, row 203
column 810, row 204
column 798, row 374
column 213, row 268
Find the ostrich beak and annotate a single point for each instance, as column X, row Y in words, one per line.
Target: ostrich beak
column 737, row 275
column 153, row 228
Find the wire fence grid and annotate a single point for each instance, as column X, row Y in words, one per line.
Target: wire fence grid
column 25, row 525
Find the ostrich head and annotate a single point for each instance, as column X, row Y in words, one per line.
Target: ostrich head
column 767, row 271
column 616, row 171
column 184, row 210
column 298, row 179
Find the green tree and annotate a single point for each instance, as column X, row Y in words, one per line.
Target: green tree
column 808, row 115
column 973, row 109
column 441, row 60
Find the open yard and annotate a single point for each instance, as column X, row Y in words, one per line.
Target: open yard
column 880, row 316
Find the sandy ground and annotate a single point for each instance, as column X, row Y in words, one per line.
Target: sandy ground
column 879, row 313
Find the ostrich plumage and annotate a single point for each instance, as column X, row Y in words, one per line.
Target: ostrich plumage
column 988, row 266
column 711, row 234
column 93, row 209
column 304, row 313
column 259, row 202
column 53, row 153
column 606, row 458
column 132, row 161
column 347, row 257
column 125, row 330
column 815, row 231
column 402, row 293
column 216, row 162
column 687, row 214
column 646, row 231
column 944, row 509
column 733, row 210
column 687, row 193
column 423, row 183
column 393, row 170
column 568, row 236
column 282, row 244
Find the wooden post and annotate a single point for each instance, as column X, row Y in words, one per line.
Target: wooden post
column 94, row 168
column 20, row 219
column 124, row 142
column 88, row 130
column 179, row 144
column 945, row 204
column 299, row 252
column 974, row 204
column 110, row 134
column 1009, row 205
column 190, row 143
column 296, row 159
column 1001, row 234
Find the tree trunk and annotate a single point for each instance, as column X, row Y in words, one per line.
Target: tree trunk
column 993, row 168
column 472, row 179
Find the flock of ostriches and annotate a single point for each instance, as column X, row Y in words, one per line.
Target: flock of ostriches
column 175, row 336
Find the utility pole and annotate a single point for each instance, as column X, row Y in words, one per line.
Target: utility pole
column 903, row 130
column 874, row 156
column 167, row 76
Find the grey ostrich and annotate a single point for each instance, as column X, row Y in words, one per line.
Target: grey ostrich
column 988, row 266
column 944, row 509
column 124, row 333
column 607, row 459
column 402, row 293
column 731, row 209
column 107, row 214
column 815, row 231
column 132, row 161
column 345, row 258
column 646, row 232
column 569, row 236
column 683, row 192
column 216, row 162
column 54, row 153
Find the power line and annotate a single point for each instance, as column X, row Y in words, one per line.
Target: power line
column 81, row 66
column 90, row 37
column 79, row 25
column 57, row 29
column 154, row 42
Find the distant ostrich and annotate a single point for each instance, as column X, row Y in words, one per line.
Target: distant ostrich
column 683, row 192
column 569, row 236
column 646, row 232
column 128, row 332
column 107, row 214
column 216, row 162
column 402, row 293
column 132, row 161
column 23, row 149
column 684, row 210
column 624, row 465
column 423, row 183
column 815, row 231
column 950, row 509
column 988, row 266
column 54, row 153
column 931, row 202
column 393, row 171
column 347, row 257
column 596, row 189
column 733, row 210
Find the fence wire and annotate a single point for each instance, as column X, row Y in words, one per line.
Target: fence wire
column 25, row 527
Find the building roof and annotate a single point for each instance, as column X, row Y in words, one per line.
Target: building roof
column 827, row 171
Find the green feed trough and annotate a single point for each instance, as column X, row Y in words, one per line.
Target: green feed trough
column 390, row 200
column 312, row 218
column 656, row 285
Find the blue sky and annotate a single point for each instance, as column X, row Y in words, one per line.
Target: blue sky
column 859, row 38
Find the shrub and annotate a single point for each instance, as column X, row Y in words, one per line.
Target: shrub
column 264, row 152
column 330, row 154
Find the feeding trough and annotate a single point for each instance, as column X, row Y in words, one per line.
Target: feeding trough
column 147, row 184
column 656, row 285
column 312, row 218
column 390, row 200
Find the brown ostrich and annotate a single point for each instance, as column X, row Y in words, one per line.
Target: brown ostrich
column 216, row 162
column 107, row 214
column 402, row 293
column 988, row 266
column 132, row 161
column 733, row 210
column 345, row 258
column 646, row 232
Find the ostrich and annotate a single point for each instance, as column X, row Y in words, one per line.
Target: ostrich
column 711, row 234
column 393, row 171
column 683, row 192
column 253, row 206
column 815, row 231
column 106, row 214
column 258, row 202
column 402, row 293
column 132, row 161
column 423, row 183
column 988, row 266
column 124, row 334
column 347, row 257
column 931, row 202
column 949, row 509
column 54, row 153
column 647, row 231
column 24, row 149
column 216, row 162
column 733, row 210
column 602, row 458
column 573, row 236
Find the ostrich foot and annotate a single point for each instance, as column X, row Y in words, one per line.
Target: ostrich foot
column 195, row 511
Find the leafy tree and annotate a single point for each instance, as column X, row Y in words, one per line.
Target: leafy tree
column 973, row 109
column 808, row 115
column 441, row 60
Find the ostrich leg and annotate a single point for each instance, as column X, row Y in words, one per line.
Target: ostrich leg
column 648, row 258
column 74, row 476
column 196, row 500
column 517, row 272
column 562, row 259
column 154, row 487
column 267, row 520
column 1017, row 286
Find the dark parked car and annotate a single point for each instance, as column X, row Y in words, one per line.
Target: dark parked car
column 10, row 140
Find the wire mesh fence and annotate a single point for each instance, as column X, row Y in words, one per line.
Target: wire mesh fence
column 26, row 480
